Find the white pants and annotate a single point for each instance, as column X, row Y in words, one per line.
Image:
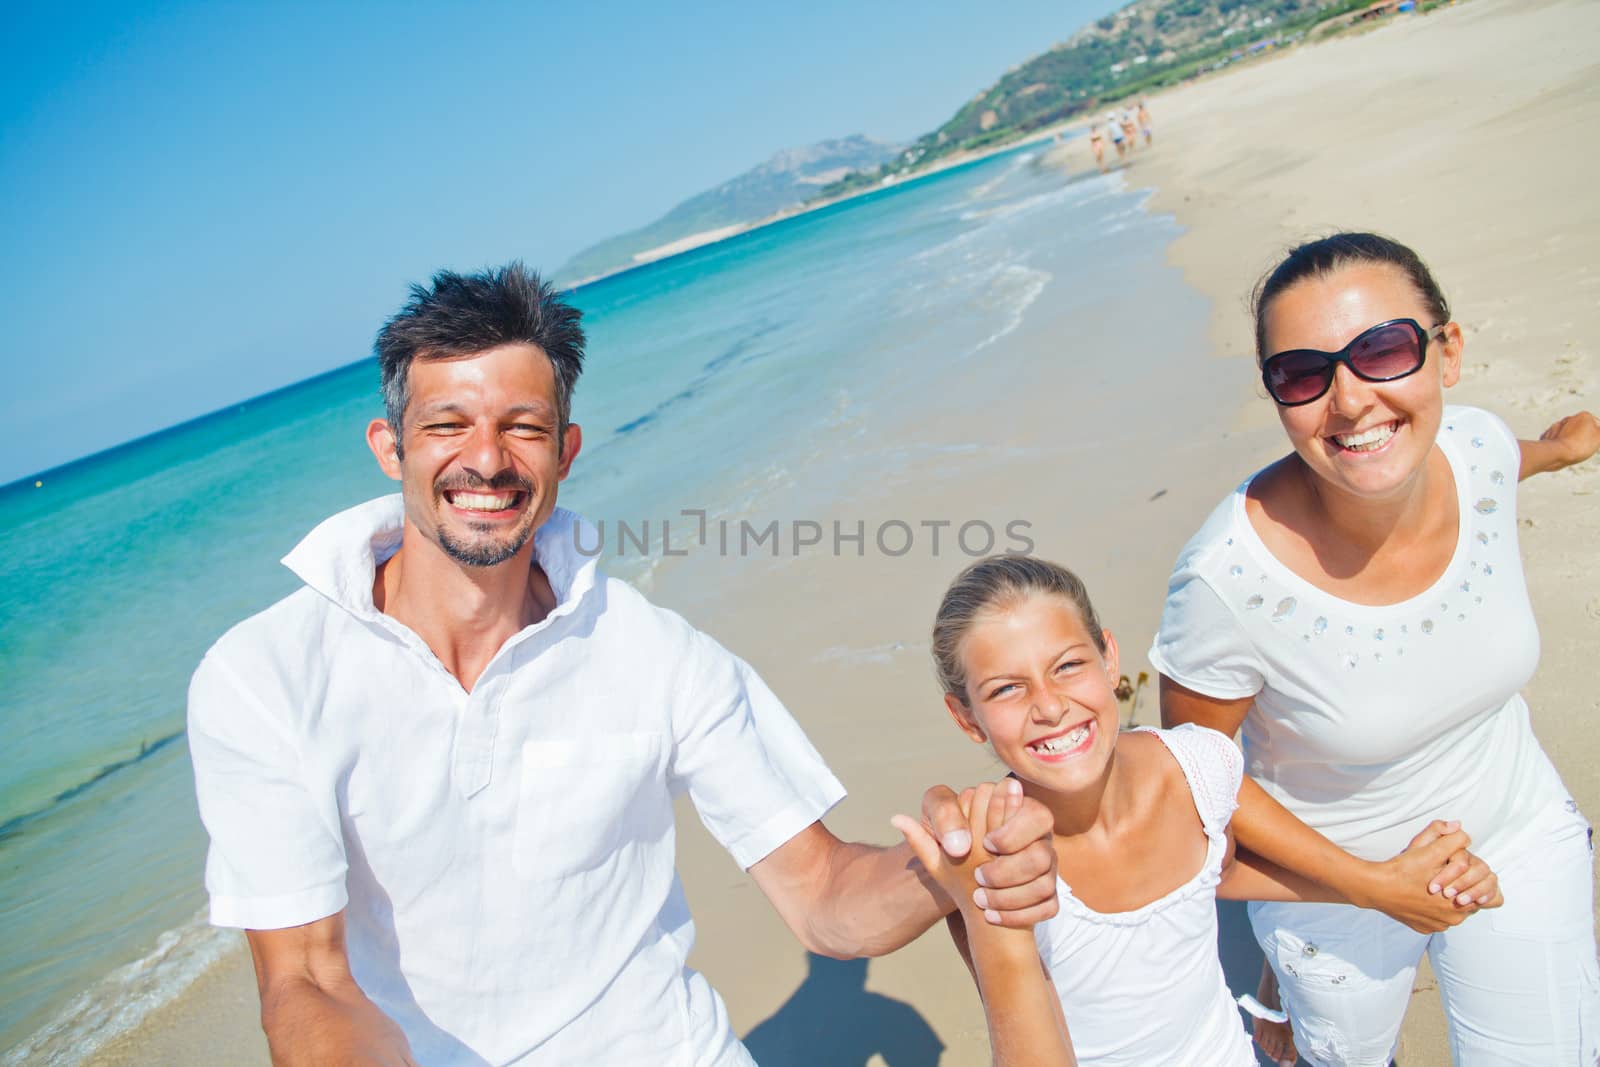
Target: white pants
column 1520, row 983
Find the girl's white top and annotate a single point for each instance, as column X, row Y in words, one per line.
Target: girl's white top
column 1369, row 721
column 1145, row 986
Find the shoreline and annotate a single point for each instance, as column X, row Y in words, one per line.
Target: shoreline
column 717, row 235
column 1242, row 190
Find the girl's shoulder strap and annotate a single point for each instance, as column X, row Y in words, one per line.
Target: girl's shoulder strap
column 1213, row 766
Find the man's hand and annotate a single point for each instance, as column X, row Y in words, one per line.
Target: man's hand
column 957, row 875
column 1411, row 887
column 1017, row 886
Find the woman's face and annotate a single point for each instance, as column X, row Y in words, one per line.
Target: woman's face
column 1366, row 439
column 1041, row 692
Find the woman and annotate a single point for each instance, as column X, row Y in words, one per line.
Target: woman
column 1358, row 607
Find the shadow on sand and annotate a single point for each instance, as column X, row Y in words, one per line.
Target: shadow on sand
column 834, row 1019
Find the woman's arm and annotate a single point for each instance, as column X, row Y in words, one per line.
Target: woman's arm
column 1026, row 1026
column 1404, row 888
column 1567, row 441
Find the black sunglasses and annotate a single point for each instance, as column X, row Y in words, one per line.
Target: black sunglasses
column 1387, row 351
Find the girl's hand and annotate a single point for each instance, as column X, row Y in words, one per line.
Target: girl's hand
column 1468, row 881
column 984, row 807
column 1576, row 437
column 1403, row 887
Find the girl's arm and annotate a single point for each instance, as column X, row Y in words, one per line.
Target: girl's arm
column 1026, row 1026
column 1406, row 888
column 1568, row 441
column 1246, row 876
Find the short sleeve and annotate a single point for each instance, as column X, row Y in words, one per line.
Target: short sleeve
column 1488, row 431
column 275, row 860
column 754, row 777
column 1200, row 644
column 1214, row 767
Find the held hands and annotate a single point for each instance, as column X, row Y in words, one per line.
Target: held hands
column 1576, row 437
column 1435, row 883
column 990, row 850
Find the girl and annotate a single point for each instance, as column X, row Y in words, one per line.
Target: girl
column 1141, row 835
column 1358, row 607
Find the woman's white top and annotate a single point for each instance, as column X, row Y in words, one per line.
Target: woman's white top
column 1145, row 987
column 1368, row 721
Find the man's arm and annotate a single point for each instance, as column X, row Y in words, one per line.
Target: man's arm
column 846, row 899
column 1404, row 888
column 312, row 1010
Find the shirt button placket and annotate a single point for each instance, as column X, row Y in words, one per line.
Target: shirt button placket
column 475, row 730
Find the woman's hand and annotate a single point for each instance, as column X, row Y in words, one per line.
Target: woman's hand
column 1436, row 859
column 1577, row 435
column 1567, row 441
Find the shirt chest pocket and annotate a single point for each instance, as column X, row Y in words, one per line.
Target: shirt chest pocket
column 582, row 800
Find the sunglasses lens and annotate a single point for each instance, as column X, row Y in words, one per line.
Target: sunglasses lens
column 1296, row 377
column 1388, row 353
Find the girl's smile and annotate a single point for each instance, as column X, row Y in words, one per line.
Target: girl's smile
column 1041, row 692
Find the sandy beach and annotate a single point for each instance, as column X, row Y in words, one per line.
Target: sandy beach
column 1463, row 133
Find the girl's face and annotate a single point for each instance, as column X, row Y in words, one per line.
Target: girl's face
column 1041, row 692
column 1366, row 439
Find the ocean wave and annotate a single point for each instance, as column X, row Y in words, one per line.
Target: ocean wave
column 12, row 825
column 981, row 191
column 739, row 351
column 883, row 653
column 1016, row 288
column 123, row 999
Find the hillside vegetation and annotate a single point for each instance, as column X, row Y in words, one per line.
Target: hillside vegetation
column 1144, row 46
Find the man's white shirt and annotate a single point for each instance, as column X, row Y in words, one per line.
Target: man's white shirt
column 504, row 857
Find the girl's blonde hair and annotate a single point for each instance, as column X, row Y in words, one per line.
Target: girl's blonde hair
column 992, row 584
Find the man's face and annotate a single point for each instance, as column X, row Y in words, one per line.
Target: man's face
column 483, row 454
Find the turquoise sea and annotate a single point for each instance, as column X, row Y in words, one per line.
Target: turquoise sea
column 708, row 374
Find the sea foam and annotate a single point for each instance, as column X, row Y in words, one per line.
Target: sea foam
column 123, row 999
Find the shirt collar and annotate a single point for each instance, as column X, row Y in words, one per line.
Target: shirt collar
column 340, row 556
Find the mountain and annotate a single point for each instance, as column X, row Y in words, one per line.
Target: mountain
column 1139, row 48
column 787, row 179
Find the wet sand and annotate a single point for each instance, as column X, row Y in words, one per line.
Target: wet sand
column 1460, row 132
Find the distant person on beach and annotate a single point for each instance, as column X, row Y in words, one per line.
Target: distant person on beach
column 1129, row 130
column 1358, row 609
column 1146, row 124
column 1141, row 835
column 438, row 778
column 1097, row 145
column 1118, row 138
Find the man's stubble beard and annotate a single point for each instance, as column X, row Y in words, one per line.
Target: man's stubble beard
column 484, row 553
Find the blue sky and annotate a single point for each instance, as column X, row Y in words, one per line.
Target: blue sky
column 203, row 202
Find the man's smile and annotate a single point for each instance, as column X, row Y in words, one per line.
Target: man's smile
column 485, row 504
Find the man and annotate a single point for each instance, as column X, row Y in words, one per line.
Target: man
column 437, row 778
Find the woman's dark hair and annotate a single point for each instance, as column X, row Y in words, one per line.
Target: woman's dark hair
column 1324, row 256
column 992, row 584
